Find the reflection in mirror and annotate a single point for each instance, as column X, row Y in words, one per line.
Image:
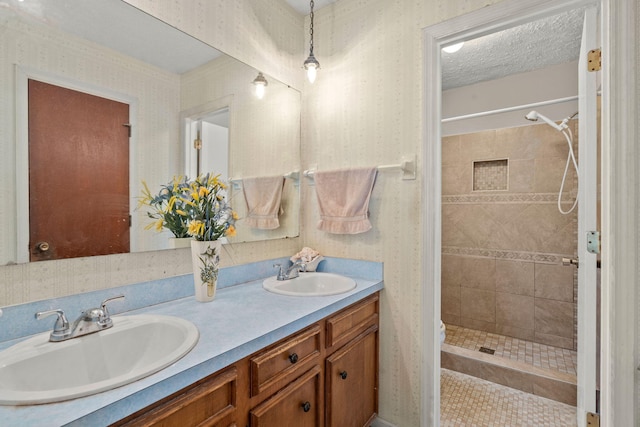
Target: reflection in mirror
column 267, row 130
column 57, row 42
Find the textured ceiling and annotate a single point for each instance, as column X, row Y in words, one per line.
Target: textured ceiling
column 528, row 47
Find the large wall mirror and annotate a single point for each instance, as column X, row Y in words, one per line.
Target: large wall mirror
column 176, row 90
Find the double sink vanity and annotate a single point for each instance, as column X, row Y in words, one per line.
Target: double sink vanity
column 263, row 353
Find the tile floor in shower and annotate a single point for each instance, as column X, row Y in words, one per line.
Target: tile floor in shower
column 471, row 401
column 540, row 355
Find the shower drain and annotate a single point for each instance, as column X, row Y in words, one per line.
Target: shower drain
column 487, row 350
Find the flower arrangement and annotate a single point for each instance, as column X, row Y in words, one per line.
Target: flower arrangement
column 196, row 208
column 166, row 208
column 206, row 210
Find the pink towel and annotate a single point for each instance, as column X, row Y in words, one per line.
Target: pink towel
column 263, row 197
column 343, row 199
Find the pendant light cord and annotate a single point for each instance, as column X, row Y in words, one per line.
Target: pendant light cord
column 311, row 30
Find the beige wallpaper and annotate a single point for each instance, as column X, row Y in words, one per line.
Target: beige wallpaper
column 365, row 109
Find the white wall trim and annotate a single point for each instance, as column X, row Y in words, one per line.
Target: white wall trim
column 484, row 21
column 23, row 74
column 620, row 227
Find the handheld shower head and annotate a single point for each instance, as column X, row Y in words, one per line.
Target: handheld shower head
column 534, row 116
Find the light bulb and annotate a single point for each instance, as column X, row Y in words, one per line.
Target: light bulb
column 260, row 91
column 453, row 48
column 260, row 83
column 312, row 71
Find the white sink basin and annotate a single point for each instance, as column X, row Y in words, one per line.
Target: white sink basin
column 310, row 284
column 38, row 371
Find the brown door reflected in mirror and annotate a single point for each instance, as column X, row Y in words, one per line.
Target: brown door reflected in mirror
column 78, row 174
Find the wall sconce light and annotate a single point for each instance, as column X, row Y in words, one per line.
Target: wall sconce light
column 260, row 83
column 311, row 64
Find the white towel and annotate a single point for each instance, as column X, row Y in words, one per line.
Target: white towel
column 263, row 197
column 343, row 199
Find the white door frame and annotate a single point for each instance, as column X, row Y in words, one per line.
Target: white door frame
column 22, row 76
column 620, row 192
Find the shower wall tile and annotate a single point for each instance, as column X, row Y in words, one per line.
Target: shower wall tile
column 515, row 277
column 476, row 324
column 451, row 271
column 478, row 146
column 479, row 273
column 514, row 310
column 450, row 150
column 554, row 281
column 554, row 317
column 461, row 179
column 548, row 175
column 451, row 319
column 511, row 331
column 450, row 302
column 521, row 175
column 478, row 304
column 555, row 340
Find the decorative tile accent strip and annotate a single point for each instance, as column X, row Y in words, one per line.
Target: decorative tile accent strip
column 491, row 175
column 510, row 255
column 501, row 198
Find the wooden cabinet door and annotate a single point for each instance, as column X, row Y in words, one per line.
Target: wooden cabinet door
column 352, row 383
column 297, row 405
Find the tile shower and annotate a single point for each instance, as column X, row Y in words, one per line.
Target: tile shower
column 503, row 240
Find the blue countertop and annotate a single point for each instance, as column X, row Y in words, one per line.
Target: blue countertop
column 242, row 319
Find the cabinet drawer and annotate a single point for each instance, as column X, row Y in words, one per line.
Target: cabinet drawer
column 283, row 363
column 210, row 403
column 297, row 405
column 352, row 321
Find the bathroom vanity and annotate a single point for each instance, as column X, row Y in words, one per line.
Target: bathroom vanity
column 325, row 374
column 262, row 359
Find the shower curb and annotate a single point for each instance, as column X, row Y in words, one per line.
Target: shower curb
column 548, row 383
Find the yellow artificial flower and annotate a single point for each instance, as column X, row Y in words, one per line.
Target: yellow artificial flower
column 231, row 231
column 203, row 192
column 234, row 215
column 171, row 204
column 196, row 228
column 159, row 224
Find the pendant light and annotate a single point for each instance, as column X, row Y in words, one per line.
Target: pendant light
column 260, row 84
column 311, row 64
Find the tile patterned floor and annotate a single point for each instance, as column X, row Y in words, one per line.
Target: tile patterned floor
column 540, row 355
column 470, row 401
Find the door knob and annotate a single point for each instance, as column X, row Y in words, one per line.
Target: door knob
column 42, row 246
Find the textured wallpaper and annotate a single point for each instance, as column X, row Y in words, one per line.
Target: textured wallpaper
column 365, row 109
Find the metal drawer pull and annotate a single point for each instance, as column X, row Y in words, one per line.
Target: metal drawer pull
column 343, row 375
column 293, row 357
column 306, row 406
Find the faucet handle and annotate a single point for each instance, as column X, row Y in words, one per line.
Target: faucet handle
column 104, row 305
column 281, row 272
column 61, row 327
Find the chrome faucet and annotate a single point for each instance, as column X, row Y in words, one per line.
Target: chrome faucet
column 90, row 321
column 292, row 272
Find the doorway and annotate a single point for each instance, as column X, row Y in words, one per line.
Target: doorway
column 476, row 24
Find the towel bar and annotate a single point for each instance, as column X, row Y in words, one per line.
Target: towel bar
column 294, row 175
column 407, row 166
